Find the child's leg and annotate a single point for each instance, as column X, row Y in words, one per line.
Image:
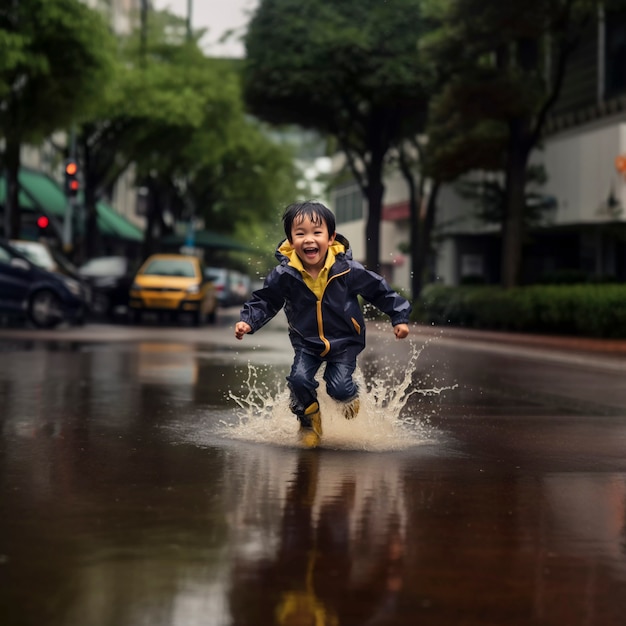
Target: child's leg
column 339, row 382
column 302, row 384
column 341, row 386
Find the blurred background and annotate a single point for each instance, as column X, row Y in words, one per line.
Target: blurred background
column 474, row 154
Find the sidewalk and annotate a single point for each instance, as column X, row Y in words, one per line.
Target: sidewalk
column 616, row 347
column 221, row 333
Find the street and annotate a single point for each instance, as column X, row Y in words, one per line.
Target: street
column 151, row 475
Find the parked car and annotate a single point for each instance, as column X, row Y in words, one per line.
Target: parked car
column 110, row 278
column 173, row 283
column 30, row 292
column 233, row 287
column 49, row 258
column 220, row 278
column 241, row 287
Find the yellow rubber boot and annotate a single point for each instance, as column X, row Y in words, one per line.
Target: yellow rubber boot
column 310, row 435
column 351, row 409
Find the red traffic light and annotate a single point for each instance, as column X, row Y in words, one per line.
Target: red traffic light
column 43, row 221
column 72, row 184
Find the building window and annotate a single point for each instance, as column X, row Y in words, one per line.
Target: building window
column 472, row 265
column 348, row 204
column 615, row 54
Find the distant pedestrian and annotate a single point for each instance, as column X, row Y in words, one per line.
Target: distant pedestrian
column 318, row 284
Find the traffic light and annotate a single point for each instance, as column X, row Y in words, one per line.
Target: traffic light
column 42, row 225
column 71, row 178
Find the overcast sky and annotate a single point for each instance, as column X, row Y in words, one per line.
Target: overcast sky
column 218, row 16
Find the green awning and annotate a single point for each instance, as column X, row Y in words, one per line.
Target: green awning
column 40, row 192
column 45, row 192
column 113, row 224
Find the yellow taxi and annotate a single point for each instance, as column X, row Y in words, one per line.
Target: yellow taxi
column 175, row 284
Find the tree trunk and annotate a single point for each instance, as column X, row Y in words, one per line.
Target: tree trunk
column 91, row 237
column 153, row 220
column 515, row 202
column 427, row 222
column 375, row 192
column 12, row 215
column 415, row 228
column 414, row 220
column 420, row 226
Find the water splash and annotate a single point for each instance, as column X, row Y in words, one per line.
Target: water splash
column 263, row 414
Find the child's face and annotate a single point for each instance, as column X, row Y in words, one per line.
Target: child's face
column 311, row 242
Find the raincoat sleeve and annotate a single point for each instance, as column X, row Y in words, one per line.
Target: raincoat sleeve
column 264, row 303
column 376, row 290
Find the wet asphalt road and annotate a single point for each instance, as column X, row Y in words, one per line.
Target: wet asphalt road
column 141, row 483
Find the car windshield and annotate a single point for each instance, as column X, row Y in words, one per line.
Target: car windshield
column 36, row 254
column 104, row 266
column 170, row 267
column 216, row 274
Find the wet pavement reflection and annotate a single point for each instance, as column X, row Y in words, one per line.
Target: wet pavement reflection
column 125, row 500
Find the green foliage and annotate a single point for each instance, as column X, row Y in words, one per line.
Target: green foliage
column 489, row 198
column 56, row 57
column 179, row 117
column 585, row 310
column 504, row 64
column 499, row 78
column 508, row 76
column 329, row 66
column 349, row 70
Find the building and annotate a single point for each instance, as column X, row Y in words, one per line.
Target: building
column 584, row 234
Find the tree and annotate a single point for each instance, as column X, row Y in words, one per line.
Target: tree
column 488, row 196
column 347, row 69
column 202, row 157
column 492, row 112
column 412, row 156
column 178, row 117
column 55, row 60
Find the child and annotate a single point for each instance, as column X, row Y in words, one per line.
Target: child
column 317, row 283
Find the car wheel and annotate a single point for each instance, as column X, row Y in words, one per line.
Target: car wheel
column 44, row 309
column 134, row 316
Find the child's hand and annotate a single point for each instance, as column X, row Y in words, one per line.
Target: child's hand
column 241, row 329
column 400, row 331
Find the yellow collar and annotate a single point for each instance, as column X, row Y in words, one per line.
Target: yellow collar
column 294, row 260
column 316, row 285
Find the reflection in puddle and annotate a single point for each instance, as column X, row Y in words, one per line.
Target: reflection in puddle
column 332, row 553
column 169, row 363
column 589, row 513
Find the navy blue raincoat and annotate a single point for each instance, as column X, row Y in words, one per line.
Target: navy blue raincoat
column 331, row 327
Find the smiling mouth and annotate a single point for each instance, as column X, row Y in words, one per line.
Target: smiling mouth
column 310, row 251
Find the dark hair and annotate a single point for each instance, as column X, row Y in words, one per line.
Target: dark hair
column 315, row 211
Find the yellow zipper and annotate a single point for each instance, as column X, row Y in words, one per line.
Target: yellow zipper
column 320, row 321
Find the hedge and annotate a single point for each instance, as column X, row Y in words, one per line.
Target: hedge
column 584, row 310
